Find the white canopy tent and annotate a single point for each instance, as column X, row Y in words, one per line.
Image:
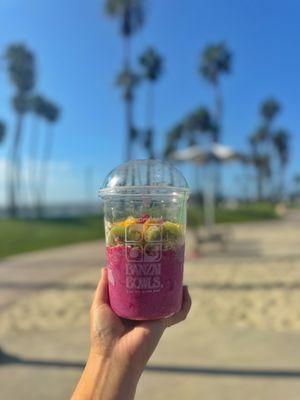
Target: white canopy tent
column 197, row 155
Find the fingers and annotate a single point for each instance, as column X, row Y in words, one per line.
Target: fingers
column 185, row 308
column 101, row 293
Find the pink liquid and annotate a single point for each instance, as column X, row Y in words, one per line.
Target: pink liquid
column 145, row 290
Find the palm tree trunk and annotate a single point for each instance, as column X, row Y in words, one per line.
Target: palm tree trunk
column 128, row 123
column 218, row 111
column 47, row 153
column 259, row 180
column 12, row 167
column 128, row 100
column 149, row 125
column 33, row 149
column 217, row 137
column 281, row 182
column 197, row 178
column 150, row 118
column 272, row 155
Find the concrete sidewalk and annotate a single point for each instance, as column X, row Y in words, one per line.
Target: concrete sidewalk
column 208, row 364
column 30, row 273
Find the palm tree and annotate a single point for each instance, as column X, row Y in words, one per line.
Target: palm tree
column 21, row 71
column 127, row 81
column 215, row 61
column 281, row 145
column 151, row 65
column 196, row 124
column 52, row 114
column 262, row 145
column 269, row 108
column 173, row 136
column 188, row 131
column 130, row 14
column 38, row 109
column 296, row 180
column 2, row 131
column 261, row 163
column 259, row 158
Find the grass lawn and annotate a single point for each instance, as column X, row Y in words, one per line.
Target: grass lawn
column 22, row 235
column 243, row 213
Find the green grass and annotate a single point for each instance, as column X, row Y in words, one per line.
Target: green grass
column 22, row 235
column 243, row 213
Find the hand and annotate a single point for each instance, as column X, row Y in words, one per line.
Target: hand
column 119, row 348
column 128, row 342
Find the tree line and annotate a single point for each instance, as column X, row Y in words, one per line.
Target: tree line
column 20, row 65
column 268, row 145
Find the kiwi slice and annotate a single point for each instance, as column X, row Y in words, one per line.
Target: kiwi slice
column 153, row 233
column 171, row 232
column 116, row 235
column 134, row 233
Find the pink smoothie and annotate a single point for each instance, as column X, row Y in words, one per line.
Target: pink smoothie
column 145, row 285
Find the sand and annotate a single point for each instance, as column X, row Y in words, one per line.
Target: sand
column 255, row 283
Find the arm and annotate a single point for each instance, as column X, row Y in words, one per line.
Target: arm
column 119, row 348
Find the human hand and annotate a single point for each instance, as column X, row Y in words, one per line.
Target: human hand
column 128, row 342
column 120, row 348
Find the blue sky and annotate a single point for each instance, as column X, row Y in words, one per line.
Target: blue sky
column 79, row 52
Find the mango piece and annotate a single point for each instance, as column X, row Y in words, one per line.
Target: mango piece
column 116, row 235
column 128, row 221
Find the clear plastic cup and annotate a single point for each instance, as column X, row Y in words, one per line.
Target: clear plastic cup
column 145, row 222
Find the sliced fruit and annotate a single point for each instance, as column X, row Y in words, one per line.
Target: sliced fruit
column 134, row 233
column 143, row 218
column 153, row 233
column 128, row 221
column 116, row 235
column 171, row 232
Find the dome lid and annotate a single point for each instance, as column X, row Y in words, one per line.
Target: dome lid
column 144, row 176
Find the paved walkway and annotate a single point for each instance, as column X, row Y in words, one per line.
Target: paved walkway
column 221, row 352
column 32, row 272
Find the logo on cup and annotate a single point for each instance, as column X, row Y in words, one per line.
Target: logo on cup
column 153, row 233
column 134, row 233
column 134, row 253
column 151, row 251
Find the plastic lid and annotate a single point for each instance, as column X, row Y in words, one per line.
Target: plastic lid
column 144, row 176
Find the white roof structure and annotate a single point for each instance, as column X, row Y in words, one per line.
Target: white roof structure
column 200, row 156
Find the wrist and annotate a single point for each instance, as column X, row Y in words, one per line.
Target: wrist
column 110, row 378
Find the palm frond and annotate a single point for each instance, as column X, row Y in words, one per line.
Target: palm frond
column 151, row 64
column 215, row 59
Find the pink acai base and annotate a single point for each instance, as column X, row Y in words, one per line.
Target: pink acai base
column 145, row 290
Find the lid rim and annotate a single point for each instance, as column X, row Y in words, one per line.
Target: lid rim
column 117, row 190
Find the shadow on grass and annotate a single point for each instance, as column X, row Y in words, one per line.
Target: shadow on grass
column 7, row 359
